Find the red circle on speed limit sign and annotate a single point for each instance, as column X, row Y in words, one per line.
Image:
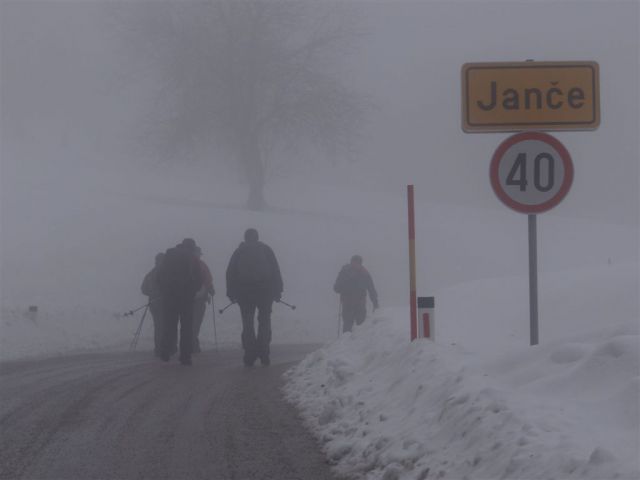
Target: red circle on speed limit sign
column 531, row 172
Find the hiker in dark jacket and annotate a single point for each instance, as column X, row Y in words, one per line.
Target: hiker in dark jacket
column 254, row 282
column 353, row 283
column 180, row 278
column 151, row 288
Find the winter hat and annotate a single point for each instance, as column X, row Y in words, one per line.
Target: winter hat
column 251, row 235
column 189, row 243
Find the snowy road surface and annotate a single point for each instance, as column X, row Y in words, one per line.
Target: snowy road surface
column 129, row 416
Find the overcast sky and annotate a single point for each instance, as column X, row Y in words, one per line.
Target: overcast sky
column 70, row 96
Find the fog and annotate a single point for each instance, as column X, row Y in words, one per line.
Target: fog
column 87, row 199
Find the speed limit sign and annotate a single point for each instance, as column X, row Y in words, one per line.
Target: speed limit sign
column 531, row 172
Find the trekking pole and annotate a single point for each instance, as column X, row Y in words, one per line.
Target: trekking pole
column 131, row 312
column 292, row 307
column 339, row 317
column 215, row 335
column 136, row 336
column 221, row 311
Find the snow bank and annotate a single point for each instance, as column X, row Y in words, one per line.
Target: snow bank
column 480, row 403
column 385, row 408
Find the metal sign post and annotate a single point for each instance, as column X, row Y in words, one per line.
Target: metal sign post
column 533, row 281
column 531, row 172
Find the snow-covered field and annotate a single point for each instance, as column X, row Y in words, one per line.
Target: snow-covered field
column 477, row 403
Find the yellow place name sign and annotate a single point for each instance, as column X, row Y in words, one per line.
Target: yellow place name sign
column 516, row 96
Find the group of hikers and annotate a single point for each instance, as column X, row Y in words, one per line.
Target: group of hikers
column 180, row 286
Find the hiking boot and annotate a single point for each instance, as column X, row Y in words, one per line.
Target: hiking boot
column 186, row 361
column 265, row 360
column 248, row 360
column 165, row 357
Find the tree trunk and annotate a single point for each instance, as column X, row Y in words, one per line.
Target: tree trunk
column 256, row 197
column 254, row 171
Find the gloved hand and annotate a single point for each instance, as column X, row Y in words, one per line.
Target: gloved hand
column 277, row 297
column 232, row 299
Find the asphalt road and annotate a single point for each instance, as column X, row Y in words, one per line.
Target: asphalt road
column 130, row 416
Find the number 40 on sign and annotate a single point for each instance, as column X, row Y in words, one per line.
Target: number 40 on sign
column 531, row 172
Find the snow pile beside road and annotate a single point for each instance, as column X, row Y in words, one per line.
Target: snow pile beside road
column 385, row 408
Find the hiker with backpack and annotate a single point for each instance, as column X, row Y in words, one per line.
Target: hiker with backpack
column 353, row 283
column 254, row 282
column 202, row 298
column 151, row 288
column 180, row 278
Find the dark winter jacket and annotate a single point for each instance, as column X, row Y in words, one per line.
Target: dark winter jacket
column 353, row 283
column 253, row 270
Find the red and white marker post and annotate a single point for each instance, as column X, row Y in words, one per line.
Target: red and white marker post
column 412, row 264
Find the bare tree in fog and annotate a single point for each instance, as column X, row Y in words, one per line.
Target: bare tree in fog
column 254, row 77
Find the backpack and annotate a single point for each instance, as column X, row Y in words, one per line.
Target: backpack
column 253, row 265
column 176, row 275
column 350, row 282
column 149, row 285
